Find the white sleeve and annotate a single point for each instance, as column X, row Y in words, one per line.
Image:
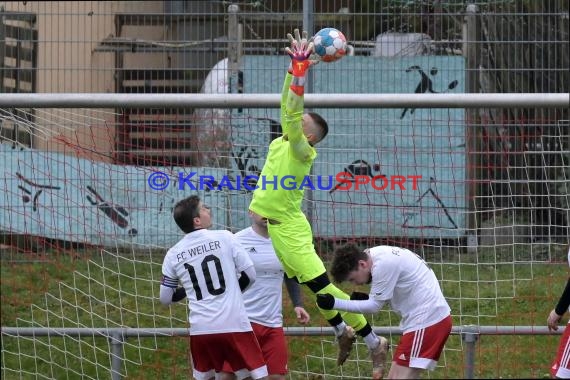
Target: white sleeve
column 166, row 295
column 241, row 257
column 167, row 269
column 370, row 305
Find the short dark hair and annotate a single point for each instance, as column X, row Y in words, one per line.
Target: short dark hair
column 345, row 261
column 185, row 211
column 322, row 123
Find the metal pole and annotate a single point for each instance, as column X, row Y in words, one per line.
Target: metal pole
column 99, row 100
column 157, row 332
column 469, row 336
column 235, row 37
column 308, row 25
column 233, row 47
column 471, row 50
column 116, row 339
column 2, row 48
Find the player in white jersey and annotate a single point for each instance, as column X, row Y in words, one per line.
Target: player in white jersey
column 205, row 263
column 561, row 365
column 402, row 279
column 263, row 301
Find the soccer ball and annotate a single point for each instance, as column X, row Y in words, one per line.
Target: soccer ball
column 330, row 44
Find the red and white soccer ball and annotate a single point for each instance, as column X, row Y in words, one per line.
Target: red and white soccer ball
column 330, row 44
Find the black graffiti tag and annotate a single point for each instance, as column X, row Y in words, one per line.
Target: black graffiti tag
column 440, row 203
column 242, row 157
column 27, row 197
column 358, row 167
column 426, row 85
column 114, row 212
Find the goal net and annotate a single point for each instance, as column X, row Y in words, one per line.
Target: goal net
column 482, row 194
column 85, row 235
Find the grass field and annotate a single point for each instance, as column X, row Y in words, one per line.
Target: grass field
column 495, row 287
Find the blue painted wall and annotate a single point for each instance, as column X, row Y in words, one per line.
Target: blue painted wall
column 63, row 197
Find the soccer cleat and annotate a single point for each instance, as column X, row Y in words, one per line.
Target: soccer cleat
column 345, row 342
column 378, row 356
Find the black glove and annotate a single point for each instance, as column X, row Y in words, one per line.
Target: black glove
column 358, row 296
column 325, row 301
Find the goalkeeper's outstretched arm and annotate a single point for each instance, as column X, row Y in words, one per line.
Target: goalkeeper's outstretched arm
column 284, row 94
column 299, row 52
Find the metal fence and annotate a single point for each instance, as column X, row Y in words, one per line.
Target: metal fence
column 469, row 335
column 472, row 96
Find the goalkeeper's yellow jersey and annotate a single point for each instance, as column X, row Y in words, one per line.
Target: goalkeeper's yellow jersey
column 288, row 164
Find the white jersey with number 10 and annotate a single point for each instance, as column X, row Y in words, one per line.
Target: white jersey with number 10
column 207, row 263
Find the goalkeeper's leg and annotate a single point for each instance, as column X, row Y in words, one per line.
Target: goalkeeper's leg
column 301, row 261
column 322, row 285
column 356, row 322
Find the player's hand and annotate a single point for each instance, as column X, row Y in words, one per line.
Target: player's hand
column 325, row 301
column 314, row 59
column 359, row 296
column 300, row 51
column 552, row 320
column 302, row 316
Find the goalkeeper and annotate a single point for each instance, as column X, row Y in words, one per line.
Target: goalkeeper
column 292, row 155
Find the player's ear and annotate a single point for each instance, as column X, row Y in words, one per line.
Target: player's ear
column 311, row 138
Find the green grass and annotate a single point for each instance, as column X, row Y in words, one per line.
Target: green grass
column 497, row 287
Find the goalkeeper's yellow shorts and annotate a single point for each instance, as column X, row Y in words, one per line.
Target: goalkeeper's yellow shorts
column 293, row 243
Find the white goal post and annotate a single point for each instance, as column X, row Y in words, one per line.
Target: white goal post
column 114, row 298
column 72, row 100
